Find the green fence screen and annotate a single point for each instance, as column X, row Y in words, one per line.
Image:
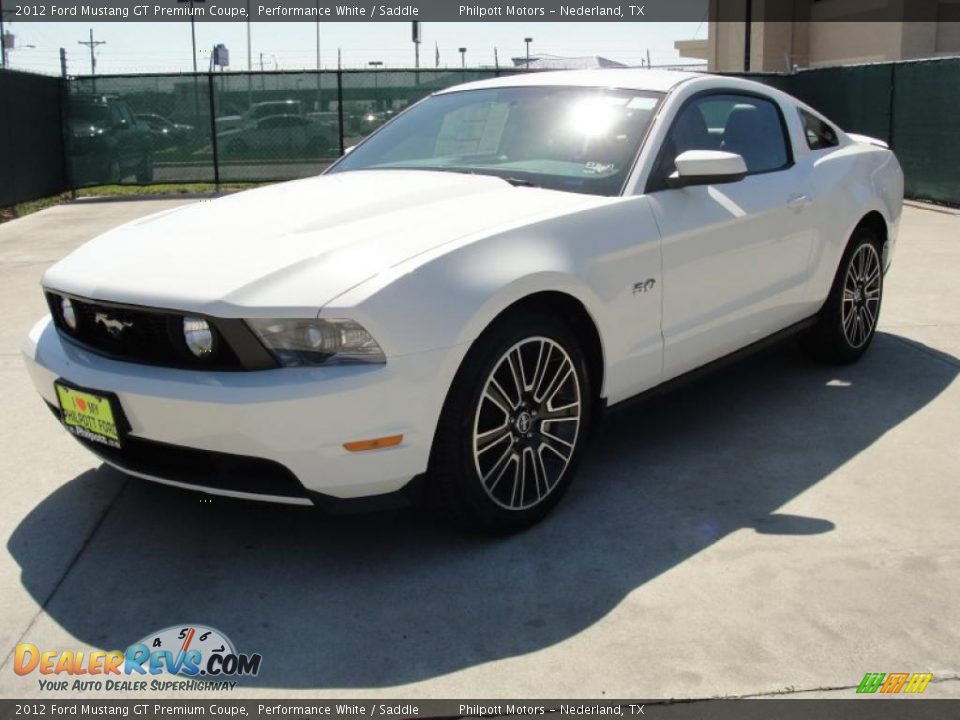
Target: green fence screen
column 258, row 127
column 912, row 105
column 32, row 163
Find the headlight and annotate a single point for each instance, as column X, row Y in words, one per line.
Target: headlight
column 68, row 313
column 198, row 336
column 317, row 342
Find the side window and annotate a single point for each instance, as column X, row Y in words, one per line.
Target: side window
column 747, row 125
column 818, row 133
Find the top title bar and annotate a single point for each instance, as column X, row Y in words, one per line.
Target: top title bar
column 475, row 11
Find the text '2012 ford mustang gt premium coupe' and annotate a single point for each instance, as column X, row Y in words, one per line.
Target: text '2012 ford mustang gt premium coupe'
column 456, row 298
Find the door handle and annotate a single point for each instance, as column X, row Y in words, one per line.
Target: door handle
column 798, row 202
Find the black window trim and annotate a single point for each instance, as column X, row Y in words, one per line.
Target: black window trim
column 801, row 111
column 656, row 184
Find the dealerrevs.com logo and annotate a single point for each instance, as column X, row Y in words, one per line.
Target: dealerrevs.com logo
column 200, row 657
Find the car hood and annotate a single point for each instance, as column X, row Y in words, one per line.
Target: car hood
column 295, row 246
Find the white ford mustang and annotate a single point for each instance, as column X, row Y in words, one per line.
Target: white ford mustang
column 449, row 306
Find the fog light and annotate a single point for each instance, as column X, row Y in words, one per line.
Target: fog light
column 198, row 336
column 68, row 314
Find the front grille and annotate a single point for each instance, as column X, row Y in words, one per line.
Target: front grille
column 155, row 337
column 203, row 468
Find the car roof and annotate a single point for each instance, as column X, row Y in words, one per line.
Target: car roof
column 627, row 78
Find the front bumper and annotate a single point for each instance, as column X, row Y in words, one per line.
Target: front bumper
column 294, row 418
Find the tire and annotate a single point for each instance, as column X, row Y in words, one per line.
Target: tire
column 114, row 173
column 145, row 171
column 847, row 322
column 498, row 464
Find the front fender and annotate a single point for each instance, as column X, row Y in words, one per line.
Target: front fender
column 598, row 256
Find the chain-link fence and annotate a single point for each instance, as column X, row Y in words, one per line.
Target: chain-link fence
column 233, row 127
column 256, row 127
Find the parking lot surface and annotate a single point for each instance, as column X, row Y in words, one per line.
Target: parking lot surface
column 778, row 527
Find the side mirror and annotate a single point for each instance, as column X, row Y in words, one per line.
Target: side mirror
column 707, row 167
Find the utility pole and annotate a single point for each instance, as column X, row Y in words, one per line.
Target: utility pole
column 496, row 59
column 92, row 44
column 463, row 58
column 63, row 62
column 528, row 40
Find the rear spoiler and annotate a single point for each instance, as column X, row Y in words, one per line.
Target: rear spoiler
column 867, row 140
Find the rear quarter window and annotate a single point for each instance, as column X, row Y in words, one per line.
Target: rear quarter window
column 818, row 133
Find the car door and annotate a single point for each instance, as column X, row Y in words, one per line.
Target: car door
column 735, row 255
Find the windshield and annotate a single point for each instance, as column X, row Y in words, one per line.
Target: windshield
column 93, row 113
column 563, row 138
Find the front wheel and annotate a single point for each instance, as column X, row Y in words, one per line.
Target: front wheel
column 848, row 320
column 514, row 425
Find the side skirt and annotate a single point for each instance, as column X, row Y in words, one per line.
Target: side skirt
column 777, row 338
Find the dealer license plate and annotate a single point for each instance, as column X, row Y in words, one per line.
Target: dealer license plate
column 88, row 415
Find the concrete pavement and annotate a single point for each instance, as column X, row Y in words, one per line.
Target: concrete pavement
column 778, row 527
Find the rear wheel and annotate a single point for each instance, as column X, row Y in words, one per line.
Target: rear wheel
column 848, row 320
column 145, row 170
column 514, row 425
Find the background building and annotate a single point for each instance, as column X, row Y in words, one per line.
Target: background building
column 542, row 61
column 829, row 32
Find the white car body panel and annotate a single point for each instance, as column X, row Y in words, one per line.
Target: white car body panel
column 425, row 261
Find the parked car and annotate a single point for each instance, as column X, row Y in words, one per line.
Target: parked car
column 281, row 135
column 257, row 112
column 165, row 132
column 107, row 144
column 448, row 308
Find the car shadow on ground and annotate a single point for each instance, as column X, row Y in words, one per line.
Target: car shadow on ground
column 381, row 600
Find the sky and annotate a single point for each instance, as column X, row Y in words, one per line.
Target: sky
column 165, row 47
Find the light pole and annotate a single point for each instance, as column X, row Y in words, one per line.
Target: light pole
column 319, row 95
column 528, row 40
column 193, row 38
column 463, row 58
column 415, row 36
column 376, row 81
